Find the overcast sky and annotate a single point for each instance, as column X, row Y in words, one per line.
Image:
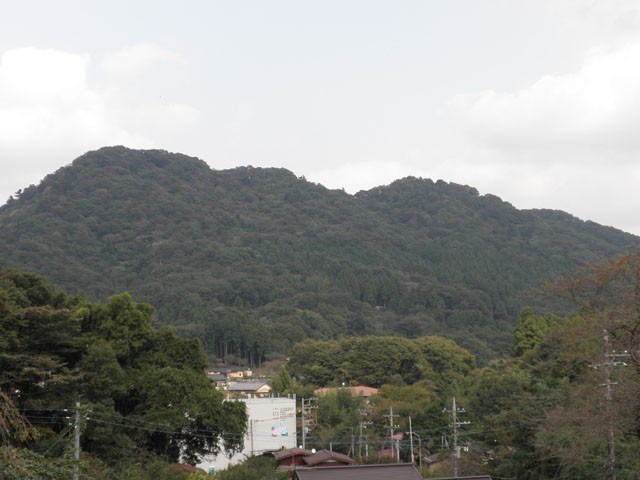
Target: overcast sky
column 536, row 101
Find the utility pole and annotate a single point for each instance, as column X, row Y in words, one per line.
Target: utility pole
column 251, row 423
column 391, row 426
column 303, row 425
column 306, row 407
column 411, row 441
column 76, row 444
column 611, row 359
column 454, row 425
column 361, row 426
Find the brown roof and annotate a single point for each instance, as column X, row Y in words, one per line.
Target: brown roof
column 358, row 390
column 183, row 467
column 384, row 471
column 473, row 477
column 326, row 456
column 290, row 452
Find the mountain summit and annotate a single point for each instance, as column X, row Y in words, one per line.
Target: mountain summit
column 251, row 260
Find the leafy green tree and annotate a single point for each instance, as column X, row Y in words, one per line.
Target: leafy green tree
column 254, row 468
column 143, row 391
column 315, row 362
column 338, row 417
column 447, row 364
column 374, row 361
column 531, row 329
column 282, row 383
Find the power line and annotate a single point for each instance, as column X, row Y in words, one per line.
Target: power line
column 455, row 424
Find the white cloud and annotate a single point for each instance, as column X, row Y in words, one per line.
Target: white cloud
column 136, row 59
column 51, row 111
column 356, row 176
column 29, row 76
column 594, row 108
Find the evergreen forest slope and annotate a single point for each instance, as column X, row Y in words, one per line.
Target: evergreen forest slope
column 253, row 260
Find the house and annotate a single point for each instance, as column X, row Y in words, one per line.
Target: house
column 305, row 458
column 472, row 477
column 240, row 373
column 248, row 390
column 231, row 372
column 218, row 379
column 384, row 471
column 326, row 458
column 289, row 456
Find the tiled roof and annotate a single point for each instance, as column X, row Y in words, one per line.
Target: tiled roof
column 472, row 477
column 385, row 471
column 245, row 386
column 289, row 452
column 326, row 456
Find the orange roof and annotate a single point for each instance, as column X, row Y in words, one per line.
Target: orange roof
column 358, row 390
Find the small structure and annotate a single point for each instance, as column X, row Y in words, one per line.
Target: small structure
column 218, row 379
column 289, row 456
column 326, row 458
column 271, row 426
column 384, row 471
column 304, row 458
column 248, row 390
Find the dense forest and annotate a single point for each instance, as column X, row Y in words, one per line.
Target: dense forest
column 139, row 395
column 252, row 261
column 565, row 404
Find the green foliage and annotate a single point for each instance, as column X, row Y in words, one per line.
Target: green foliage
column 375, row 361
column 338, row 416
column 254, row 468
column 143, row 391
column 24, row 464
column 283, row 383
column 531, row 329
column 252, row 261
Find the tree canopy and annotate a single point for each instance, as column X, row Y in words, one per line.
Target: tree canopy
column 253, row 260
column 142, row 390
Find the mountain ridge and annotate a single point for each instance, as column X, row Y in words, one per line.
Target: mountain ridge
column 262, row 249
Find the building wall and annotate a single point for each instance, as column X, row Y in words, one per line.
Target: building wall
column 271, row 426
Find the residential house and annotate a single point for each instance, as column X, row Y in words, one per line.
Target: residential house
column 289, row 456
column 248, row 390
column 326, row 458
column 384, row 471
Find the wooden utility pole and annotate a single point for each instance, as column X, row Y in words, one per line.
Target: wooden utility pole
column 76, row 444
column 454, row 426
column 391, row 426
column 611, row 359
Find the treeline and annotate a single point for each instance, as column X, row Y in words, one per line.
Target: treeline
column 564, row 405
column 376, row 361
column 252, row 260
column 141, row 393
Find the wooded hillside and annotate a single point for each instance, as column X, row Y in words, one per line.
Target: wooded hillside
column 253, row 260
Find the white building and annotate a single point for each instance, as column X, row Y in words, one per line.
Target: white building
column 271, row 426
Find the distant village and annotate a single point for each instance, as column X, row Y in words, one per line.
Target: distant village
column 273, row 427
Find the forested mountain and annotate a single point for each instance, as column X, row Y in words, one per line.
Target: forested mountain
column 253, row 260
